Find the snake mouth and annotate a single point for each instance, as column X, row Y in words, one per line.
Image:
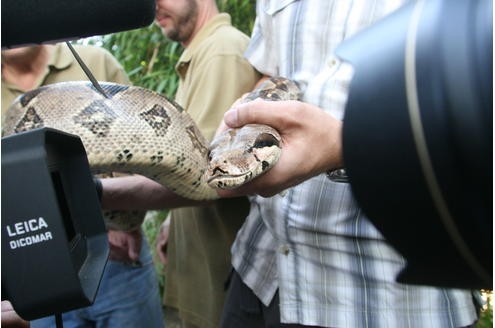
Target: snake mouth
column 229, row 181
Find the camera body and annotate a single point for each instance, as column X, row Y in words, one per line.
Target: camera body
column 54, row 241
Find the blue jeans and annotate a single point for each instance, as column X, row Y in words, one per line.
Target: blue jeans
column 127, row 297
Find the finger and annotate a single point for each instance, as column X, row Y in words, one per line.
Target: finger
column 7, row 306
column 134, row 248
column 117, row 254
column 258, row 111
column 163, row 256
column 231, row 118
column 12, row 319
column 161, row 250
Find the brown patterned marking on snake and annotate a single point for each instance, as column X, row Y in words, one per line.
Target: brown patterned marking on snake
column 124, row 156
column 30, row 95
column 157, row 158
column 158, row 119
column 176, row 105
column 275, row 89
column 179, row 160
column 193, row 134
column 30, row 120
column 199, row 179
column 281, row 85
column 97, row 118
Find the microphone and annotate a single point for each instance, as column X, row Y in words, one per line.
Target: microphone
column 27, row 22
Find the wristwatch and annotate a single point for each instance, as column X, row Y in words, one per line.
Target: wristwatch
column 339, row 175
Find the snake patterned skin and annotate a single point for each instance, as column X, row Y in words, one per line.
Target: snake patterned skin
column 139, row 131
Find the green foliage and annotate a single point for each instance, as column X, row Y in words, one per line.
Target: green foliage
column 486, row 315
column 242, row 13
column 151, row 228
column 147, row 57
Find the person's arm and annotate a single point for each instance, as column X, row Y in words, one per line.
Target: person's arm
column 136, row 192
column 311, row 143
column 10, row 318
column 162, row 241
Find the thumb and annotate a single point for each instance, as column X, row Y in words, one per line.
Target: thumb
column 256, row 111
column 231, row 118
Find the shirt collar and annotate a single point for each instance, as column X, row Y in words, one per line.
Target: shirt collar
column 207, row 30
column 61, row 57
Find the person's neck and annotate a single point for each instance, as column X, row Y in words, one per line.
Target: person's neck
column 24, row 69
column 206, row 13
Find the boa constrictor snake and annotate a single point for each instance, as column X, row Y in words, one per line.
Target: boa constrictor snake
column 139, row 131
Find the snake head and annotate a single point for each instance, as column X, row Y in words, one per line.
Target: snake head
column 239, row 155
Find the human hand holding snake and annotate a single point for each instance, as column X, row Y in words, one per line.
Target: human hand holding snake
column 311, row 141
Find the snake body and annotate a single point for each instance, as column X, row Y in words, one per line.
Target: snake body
column 139, row 131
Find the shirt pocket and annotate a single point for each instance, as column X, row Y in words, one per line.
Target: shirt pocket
column 273, row 7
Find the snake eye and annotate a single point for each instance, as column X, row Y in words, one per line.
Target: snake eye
column 265, row 140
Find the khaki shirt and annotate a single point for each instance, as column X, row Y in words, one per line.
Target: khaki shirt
column 63, row 67
column 213, row 74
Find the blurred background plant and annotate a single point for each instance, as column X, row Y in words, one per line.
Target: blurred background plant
column 486, row 315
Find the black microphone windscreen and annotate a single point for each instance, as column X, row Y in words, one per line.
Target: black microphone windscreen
column 31, row 22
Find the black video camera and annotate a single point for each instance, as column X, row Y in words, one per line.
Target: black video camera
column 54, row 243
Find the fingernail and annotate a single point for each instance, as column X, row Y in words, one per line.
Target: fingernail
column 231, row 117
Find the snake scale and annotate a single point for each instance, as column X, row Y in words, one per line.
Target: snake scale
column 139, row 131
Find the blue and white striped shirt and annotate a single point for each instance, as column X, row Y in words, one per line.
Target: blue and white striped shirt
column 330, row 265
